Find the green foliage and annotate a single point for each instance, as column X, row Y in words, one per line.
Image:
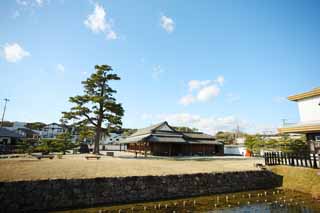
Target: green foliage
column 185, row 129
column 26, row 145
column 226, row 137
column 97, row 106
column 127, row 132
column 255, row 143
column 85, row 133
column 35, row 125
column 60, row 144
column 6, row 124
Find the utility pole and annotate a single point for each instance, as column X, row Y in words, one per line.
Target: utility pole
column 284, row 121
column 4, row 110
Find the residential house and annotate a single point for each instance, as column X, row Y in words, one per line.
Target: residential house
column 8, row 140
column 52, row 130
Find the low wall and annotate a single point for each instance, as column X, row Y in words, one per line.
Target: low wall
column 73, row 193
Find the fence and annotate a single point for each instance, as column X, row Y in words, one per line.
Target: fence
column 292, row 159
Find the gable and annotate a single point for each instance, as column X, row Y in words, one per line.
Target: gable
column 165, row 127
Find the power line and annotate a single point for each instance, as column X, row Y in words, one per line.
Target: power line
column 4, row 110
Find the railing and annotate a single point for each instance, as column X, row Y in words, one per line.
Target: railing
column 292, row 159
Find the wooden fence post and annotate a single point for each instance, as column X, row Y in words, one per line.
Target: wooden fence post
column 305, row 159
column 310, row 161
column 315, row 161
column 265, row 159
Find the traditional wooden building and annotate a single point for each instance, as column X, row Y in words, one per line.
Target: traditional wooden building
column 163, row 140
column 309, row 111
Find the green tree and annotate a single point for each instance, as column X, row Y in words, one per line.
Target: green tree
column 127, row 132
column 35, row 125
column 253, row 143
column 185, row 129
column 85, row 133
column 61, row 143
column 226, row 137
column 97, row 106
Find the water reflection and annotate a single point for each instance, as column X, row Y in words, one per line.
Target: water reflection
column 276, row 200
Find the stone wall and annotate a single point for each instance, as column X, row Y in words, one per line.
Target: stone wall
column 72, row 193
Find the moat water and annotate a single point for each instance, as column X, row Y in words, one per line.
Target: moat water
column 276, row 200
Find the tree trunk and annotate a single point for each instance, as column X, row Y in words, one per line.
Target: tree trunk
column 97, row 141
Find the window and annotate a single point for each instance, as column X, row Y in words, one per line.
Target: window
column 5, row 141
column 317, row 138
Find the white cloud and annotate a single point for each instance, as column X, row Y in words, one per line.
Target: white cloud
column 60, row 68
column 209, row 124
column 186, row 100
column 196, row 84
column 167, row 23
column 220, row 80
column 156, row 72
column 112, row 35
column 39, row 2
column 14, row 52
column 30, row 3
column 202, row 90
column 98, row 23
column 207, row 93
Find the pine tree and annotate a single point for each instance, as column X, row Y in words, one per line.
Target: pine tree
column 97, row 107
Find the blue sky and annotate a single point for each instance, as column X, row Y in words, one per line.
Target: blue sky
column 206, row 64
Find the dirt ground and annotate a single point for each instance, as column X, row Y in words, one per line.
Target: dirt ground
column 76, row 166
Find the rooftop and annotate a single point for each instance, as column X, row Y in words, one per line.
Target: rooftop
column 302, row 127
column 8, row 133
column 164, row 133
column 309, row 94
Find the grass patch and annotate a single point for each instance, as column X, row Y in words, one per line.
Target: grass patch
column 301, row 179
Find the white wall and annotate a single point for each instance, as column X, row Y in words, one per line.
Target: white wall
column 234, row 150
column 309, row 109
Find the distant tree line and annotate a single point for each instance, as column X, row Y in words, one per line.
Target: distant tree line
column 256, row 143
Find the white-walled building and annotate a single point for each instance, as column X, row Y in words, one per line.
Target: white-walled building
column 309, row 124
column 109, row 142
column 52, row 130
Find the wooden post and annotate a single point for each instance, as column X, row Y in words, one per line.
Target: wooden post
column 305, row 159
column 293, row 159
column 145, row 149
column 285, row 158
column 315, row 161
column 310, row 161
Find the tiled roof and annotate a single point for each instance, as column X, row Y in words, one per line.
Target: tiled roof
column 198, row 135
column 7, row 133
column 156, row 134
column 147, row 130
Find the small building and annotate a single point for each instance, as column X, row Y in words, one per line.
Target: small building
column 8, row 140
column 52, row 130
column 163, row 140
column 108, row 142
column 235, row 149
column 28, row 133
column 309, row 111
